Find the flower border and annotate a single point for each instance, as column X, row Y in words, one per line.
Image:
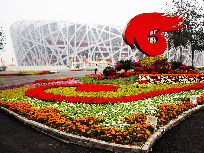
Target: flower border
column 27, row 73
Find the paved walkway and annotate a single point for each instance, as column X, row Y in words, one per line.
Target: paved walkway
column 9, row 80
column 187, row 137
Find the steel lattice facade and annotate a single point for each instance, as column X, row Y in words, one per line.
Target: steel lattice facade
column 64, row 43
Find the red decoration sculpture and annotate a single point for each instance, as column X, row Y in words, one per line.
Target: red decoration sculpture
column 138, row 31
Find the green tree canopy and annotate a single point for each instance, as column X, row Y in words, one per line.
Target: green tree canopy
column 192, row 32
column 2, row 40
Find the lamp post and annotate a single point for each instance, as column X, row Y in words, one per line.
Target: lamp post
column 34, row 60
column 111, row 59
column 46, row 60
column 1, row 59
column 123, row 57
column 24, row 60
column 12, row 60
column 58, row 60
column 84, row 61
column 72, row 61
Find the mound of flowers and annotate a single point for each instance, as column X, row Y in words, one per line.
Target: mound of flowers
column 39, row 93
column 146, row 65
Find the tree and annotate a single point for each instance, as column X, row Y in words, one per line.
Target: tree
column 192, row 32
column 2, row 40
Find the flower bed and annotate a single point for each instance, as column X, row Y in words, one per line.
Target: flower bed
column 83, row 69
column 52, row 80
column 146, row 65
column 90, row 126
column 111, row 117
column 76, row 69
column 26, row 73
column 39, row 93
column 172, row 78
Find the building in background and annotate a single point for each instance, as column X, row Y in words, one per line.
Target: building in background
column 73, row 44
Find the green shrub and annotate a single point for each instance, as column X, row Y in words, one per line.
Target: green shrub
column 192, row 67
column 175, row 65
column 125, row 65
column 109, row 71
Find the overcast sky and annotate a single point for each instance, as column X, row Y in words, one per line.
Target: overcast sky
column 109, row 12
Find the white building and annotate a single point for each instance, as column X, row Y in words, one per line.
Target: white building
column 71, row 44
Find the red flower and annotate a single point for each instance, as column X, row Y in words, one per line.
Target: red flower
column 111, row 77
column 138, row 72
column 53, row 80
column 99, row 77
column 96, row 87
column 39, row 93
column 143, row 82
column 145, row 72
column 155, row 72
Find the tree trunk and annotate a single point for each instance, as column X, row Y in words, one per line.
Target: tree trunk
column 181, row 54
column 192, row 59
